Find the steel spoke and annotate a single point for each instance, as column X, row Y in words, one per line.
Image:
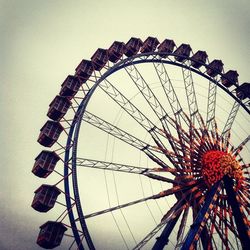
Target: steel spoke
column 154, row 103
column 136, row 114
column 170, row 93
column 81, row 162
column 125, row 137
column 230, row 120
column 162, row 194
column 172, row 100
column 150, row 235
column 211, row 104
column 126, row 105
column 237, row 150
column 115, row 131
column 150, row 97
column 191, row 96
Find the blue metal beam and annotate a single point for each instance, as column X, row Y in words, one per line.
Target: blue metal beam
column 163, row 239
column 197, row 227
column 237, row 214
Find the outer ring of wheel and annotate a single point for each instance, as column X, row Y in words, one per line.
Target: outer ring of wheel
column 76, row 124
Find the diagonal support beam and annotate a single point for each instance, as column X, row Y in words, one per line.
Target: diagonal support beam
column 154, row 103
column 211, row 104
column 162, row 241
column 243, row 229
column 201, row 219
column 126, row 105
column 230, row 121
column 114, row 131
column 241, row 145
column 160, row 195
column 146, row 91
column 138, row 116
column 170, row 93
column 172, row 100
column 89, row 163
column 124, row 136
column 191, row 97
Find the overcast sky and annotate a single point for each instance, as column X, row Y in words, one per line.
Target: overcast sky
column 43, row 41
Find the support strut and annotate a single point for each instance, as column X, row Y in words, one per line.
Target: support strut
column 163, row 239
column 242, row 228
column 198, row 225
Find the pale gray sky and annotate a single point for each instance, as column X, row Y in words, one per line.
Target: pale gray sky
column 43, row 41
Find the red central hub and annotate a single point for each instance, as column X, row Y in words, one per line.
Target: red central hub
column 216, row 164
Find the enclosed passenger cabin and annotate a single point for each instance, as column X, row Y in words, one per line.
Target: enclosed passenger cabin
column 45, row 198
column 182, row 52
column 70, row 86
column 167, row 46
column 84, row 70
column 58, row 107
column 49, row 133
column 230, row 78
column 45, row 163
column 115, row 51
column 51, row 234
column 243, row 91
column 198, row 59
column 149, row 45
column 99, row 58
column 133, row 46
column 214, row 68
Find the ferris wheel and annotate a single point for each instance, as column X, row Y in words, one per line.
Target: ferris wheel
column 149, row 145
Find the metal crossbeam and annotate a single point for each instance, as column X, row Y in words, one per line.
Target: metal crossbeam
column 192, row 106
column 125, row 104
column 211, row 104
column 230, row 121
column 150, row 235
column 147, row 93
column 170, row 92
column 124, row 136
column 150, row 97
column 191, row 96
column 81, row 162
column 114, row 131
column 172, row 100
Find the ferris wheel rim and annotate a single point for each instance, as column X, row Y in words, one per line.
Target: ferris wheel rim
column 76, row 124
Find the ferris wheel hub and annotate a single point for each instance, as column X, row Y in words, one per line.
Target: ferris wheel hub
column 216, row 164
